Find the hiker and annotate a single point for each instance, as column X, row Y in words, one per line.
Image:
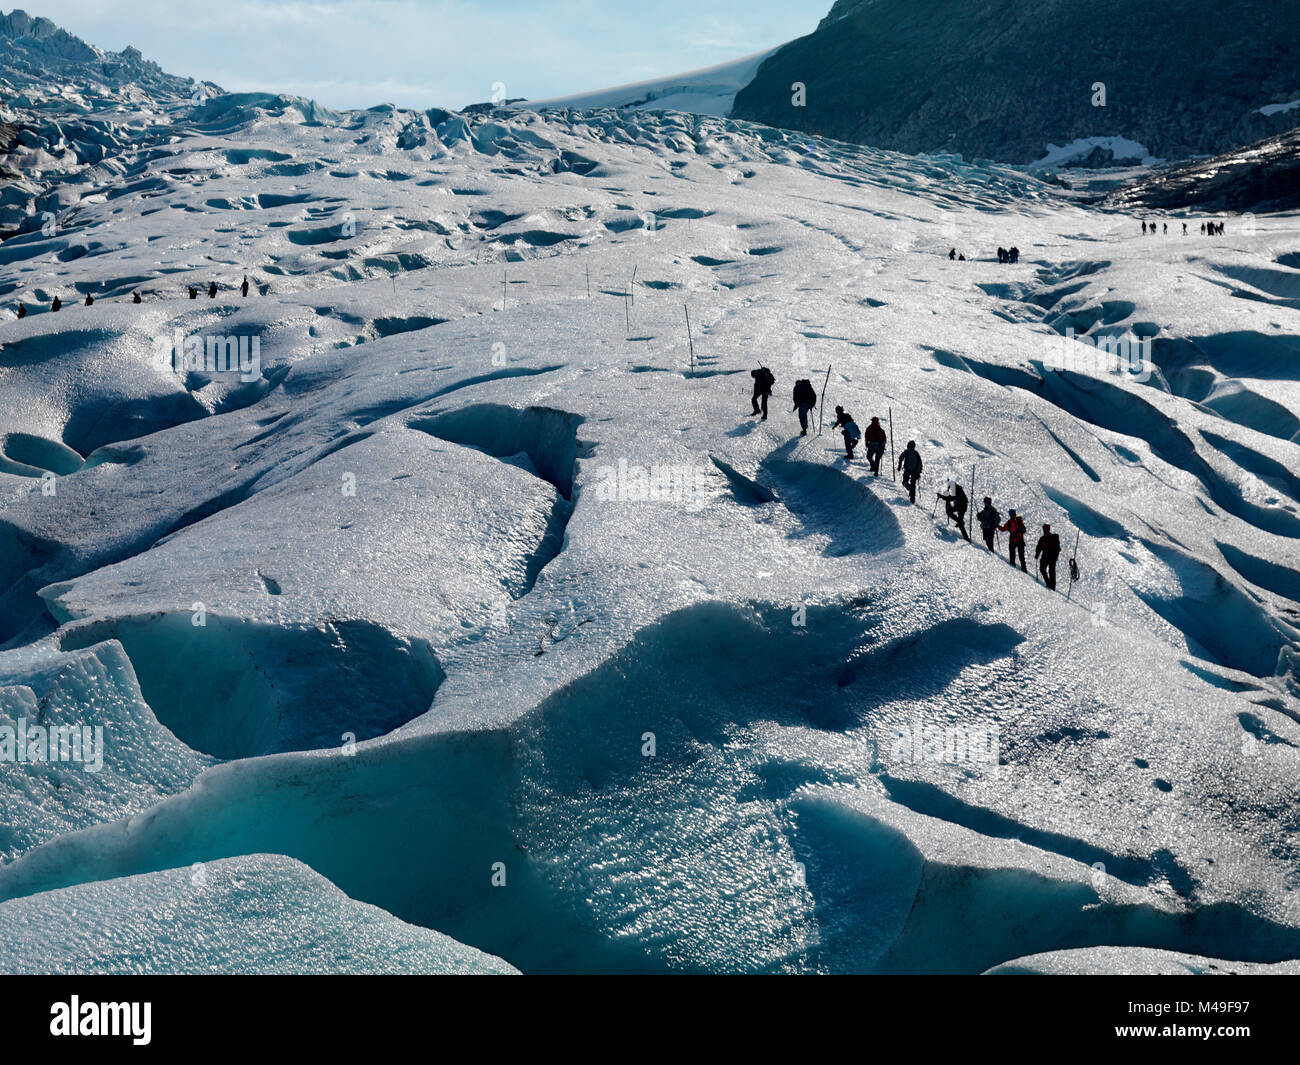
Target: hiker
column 952, row 253
column 805, row 399
column 852, row 434
column 1164, row 229
column 910, row 463
column 1002, row 254
column 1184, row 229
column 135, row 297
column 961, row 258
column 764, row 381
column 22, row 310
column 243, row 289
column 955, row 504
column 212, row 290
column 1013, row 255
column 988, row 519
column 90, row 300
column 1202, row 229
column 876, row 439
column 57, row 305
column 1015, row 530
column 1144, row 229
column 1047, row 551
column 194, row 293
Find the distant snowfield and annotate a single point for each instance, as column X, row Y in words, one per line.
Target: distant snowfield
column 489, row 603
column 707, row 91
column 1060, row 155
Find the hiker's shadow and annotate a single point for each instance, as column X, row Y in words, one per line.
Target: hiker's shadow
column 743, row 429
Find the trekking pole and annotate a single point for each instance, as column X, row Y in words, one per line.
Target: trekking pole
column 690, row 339
column 893, row 463
column 589, row 282
column 632, row 287
column 821, row 407
column 1074, row 565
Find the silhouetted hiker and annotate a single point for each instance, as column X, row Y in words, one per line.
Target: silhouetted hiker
column 243, row 289
column 57, row 305
column 952, row 253
column 90, row 300
column 954, row 504
column 1184, row 229
column 1002, row 254
column 875, row 439
column 805, row 399
column 1013, row 255
column 1202, row 229
column 1047, row 551
column 911, row 465
column 1144, row 229
column 22, row 310
column 135, row 297
column 988, row 519
column 852, row 434
column 1015, row 530
column 212, row 290
column 961, row 258
column 1164, row 229
column 764, row 381
column 194, row 293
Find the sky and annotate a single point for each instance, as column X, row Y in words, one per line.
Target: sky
column 432, row 53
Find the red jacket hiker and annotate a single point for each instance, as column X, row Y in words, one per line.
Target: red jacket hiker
column 875, row 434
column 1016, row 527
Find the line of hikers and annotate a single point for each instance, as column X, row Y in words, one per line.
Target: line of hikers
column 1213, row 229
column 910, row 464
column 1046, row 551
column 56, row 304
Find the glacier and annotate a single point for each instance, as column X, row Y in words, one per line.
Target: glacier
column 405, row 664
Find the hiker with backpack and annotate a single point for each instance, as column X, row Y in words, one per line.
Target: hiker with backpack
column 876, row 439
column 955, row 504
column 852, row 434
column 988, row 519
column 1047, row 551
column 805, row 399
column 764, row 382
column 1015, row 530
column 911, row 465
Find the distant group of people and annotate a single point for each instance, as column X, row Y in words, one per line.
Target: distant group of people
column 1212, row 229
column 56, row 304
column 1005, row 255
column 910, row 465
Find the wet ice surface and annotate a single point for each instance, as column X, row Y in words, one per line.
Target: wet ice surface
column 396, row 610
column 262, row 914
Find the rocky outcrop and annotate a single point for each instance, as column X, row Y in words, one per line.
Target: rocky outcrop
column 1002, row 79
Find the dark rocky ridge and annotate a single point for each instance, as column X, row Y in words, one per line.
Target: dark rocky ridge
column 1002, row 78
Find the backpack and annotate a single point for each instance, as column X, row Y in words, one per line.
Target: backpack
column 912, row 462
column 852, row 431
column 804, row 393
column 763, row 378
